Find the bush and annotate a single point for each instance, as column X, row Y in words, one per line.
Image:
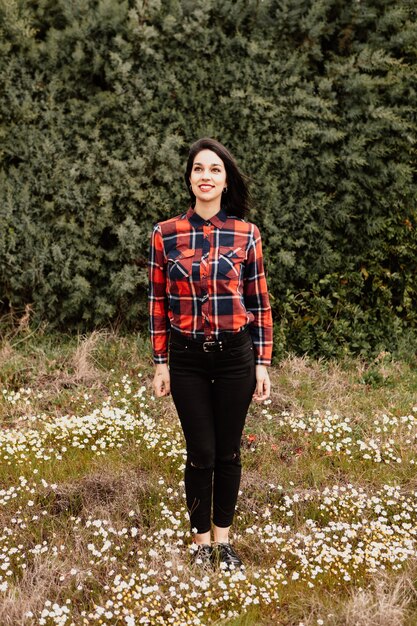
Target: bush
column 100, row 101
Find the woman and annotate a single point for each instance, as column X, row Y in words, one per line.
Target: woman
column 208, row 299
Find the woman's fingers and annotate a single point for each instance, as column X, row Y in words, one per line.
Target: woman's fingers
column 161, row 383
column 263, row 385
column 260, row 387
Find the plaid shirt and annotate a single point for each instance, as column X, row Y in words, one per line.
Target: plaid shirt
column 207, row 277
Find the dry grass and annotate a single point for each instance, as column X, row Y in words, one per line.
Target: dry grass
column 389, row 601
column 60, row 374
column 6, row 353
column 39, row 582
column 113, row 486
column 102, row 493
column 82, row 361
column 384, row 605
column 302, row 384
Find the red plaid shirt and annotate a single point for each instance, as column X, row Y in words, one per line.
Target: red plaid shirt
column 207, row 277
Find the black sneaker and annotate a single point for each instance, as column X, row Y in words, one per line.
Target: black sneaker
column 224, row 553
column 202, row 556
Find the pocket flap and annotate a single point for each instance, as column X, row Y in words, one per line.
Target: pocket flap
column 186, row 253
column 234, row 255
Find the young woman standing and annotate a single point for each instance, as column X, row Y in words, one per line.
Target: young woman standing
column 210, row 321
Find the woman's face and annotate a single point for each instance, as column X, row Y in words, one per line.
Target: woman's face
column 208, row 176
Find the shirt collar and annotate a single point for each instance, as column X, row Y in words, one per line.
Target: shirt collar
column 196, row 220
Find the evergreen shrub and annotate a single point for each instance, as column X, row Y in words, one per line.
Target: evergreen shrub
column 100, row 100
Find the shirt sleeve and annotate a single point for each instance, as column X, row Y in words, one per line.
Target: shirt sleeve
column 257, row 300
column 157, row 298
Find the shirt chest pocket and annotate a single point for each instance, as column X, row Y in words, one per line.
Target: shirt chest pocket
column 180, row 264
column 230, row 262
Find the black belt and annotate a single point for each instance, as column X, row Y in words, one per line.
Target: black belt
column 225, row 341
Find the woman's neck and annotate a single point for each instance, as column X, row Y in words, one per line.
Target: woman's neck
column 206, row 210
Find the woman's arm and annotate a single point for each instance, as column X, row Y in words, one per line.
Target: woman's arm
column 158, row 313
column 157, row 298
column 255, row 295
column 257, row 302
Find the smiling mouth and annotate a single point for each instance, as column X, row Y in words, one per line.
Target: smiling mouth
column 206, row 186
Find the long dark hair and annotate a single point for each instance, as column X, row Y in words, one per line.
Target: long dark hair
column 236, row 200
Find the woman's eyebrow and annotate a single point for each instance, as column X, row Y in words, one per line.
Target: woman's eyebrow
column 218, row 164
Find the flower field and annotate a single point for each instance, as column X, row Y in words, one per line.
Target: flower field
column 94, row 527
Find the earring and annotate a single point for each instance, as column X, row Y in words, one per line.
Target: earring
column 224, row 189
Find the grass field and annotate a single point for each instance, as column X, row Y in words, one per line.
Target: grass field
column 93, row 523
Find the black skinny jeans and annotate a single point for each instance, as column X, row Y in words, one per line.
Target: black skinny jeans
column 212, row 392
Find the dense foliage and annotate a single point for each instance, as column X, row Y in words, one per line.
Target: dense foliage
column 99, row 101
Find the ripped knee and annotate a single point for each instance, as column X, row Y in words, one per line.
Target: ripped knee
column 229, row 459
column 201, row 462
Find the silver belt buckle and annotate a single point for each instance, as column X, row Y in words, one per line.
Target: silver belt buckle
column 207, row 345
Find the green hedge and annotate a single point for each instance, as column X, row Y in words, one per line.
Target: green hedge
column 99, row 101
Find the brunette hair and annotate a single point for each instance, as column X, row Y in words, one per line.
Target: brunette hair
column 236, row 200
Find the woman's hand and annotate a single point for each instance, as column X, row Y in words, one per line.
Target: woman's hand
column 263, row 384
column 161, row 382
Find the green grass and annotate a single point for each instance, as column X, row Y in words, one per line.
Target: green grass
column 138, row 485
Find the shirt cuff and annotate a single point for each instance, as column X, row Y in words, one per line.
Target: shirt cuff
column 160, row 358
column 259, row 360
